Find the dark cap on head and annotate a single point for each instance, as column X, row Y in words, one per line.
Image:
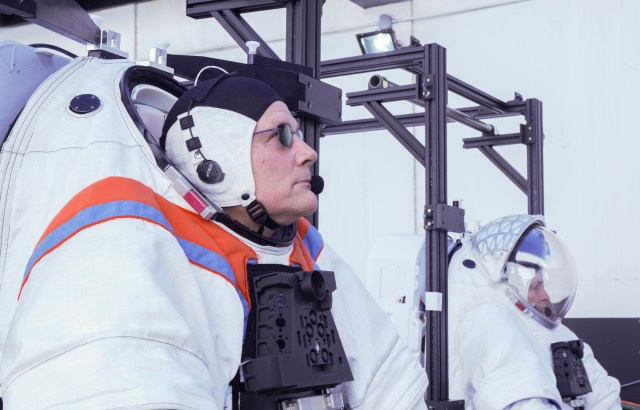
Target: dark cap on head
column 246, row 96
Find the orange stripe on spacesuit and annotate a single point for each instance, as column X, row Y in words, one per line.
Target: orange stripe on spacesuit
column 105, row 190
column 186, row 225
column 26, row 278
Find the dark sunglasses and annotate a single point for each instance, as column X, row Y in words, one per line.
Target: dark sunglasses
column 285, row 136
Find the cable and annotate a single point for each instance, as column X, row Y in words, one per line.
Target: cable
column 204, row 68
column 52, row 47
column 629, row 384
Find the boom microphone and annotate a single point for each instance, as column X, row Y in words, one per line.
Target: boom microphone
column 317, row 184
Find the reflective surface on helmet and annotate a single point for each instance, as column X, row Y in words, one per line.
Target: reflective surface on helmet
column 542, row 273
column 495, row 241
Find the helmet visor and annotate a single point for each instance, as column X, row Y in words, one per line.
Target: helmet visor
column 543, row 274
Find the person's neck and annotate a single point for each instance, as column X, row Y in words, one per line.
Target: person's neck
column 240, row 214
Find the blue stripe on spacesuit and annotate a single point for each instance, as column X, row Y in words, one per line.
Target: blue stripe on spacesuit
column 91, row 215
column 213, row 261
column 127, row 209
column 313, row 242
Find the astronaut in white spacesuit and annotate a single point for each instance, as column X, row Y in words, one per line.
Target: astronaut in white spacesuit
column 132, row 300
column 510, row 285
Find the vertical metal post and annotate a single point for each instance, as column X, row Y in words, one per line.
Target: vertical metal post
column 436, row 357
column 303, row 47
column 534, row 136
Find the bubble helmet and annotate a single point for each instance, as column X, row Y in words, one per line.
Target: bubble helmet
column 532, row 263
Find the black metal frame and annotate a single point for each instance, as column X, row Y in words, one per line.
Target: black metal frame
column 430, row 91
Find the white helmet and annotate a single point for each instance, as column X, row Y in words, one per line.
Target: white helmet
column 532, row 263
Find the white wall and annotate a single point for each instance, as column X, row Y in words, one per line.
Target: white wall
column 578, row 56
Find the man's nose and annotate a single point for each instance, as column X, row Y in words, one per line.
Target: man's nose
column 545, row 295
column 304, row 153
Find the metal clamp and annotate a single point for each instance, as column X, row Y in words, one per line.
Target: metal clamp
column 443, row 216
column 527, row 132
column 427, row 92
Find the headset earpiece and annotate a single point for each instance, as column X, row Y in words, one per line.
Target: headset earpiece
column 210, row 172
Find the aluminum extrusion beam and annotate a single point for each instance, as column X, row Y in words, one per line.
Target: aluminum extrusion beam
column 533, row 137
column 436, row 258
column 505, row 139
column 401, row 58
column 398, row 92
column 199, row 9
column 371, row 124
column 469, row 121
column 471, row 93
column 65, row 17
column 504, row 166
column 410, row 120
column 24, row 9
column 403, row 136
column 408, row 58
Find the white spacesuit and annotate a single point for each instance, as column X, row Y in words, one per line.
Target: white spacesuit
column 130, row 299
column 510, row 284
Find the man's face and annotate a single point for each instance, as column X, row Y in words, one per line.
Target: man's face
column 538, row 295
column 282, row 174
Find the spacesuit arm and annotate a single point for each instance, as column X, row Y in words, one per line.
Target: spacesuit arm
column 605, row 389
column 386, row 375
column 116, row 317
column 502, row 365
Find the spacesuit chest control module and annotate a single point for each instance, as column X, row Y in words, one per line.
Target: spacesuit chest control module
column 571, row 377
column 292, row 353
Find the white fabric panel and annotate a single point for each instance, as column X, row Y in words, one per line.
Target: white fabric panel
column 52, row 153
column 386, row 373
column 146, row 325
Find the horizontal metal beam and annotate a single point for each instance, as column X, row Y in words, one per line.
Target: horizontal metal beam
column 199, row 9
column 65, row 17
column 401, row 92
column 471, row 93
column 24, row 9
column 372, row 124
column 408, row 120
column 401, row 58
column 492, row 140
column 469, row 121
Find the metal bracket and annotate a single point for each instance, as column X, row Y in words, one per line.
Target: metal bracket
column 320, row 99
column 527, row 132
column 427, row 92
column 108, row 46
column 443, row 216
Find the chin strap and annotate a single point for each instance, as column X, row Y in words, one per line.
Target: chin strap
column 259, row 215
